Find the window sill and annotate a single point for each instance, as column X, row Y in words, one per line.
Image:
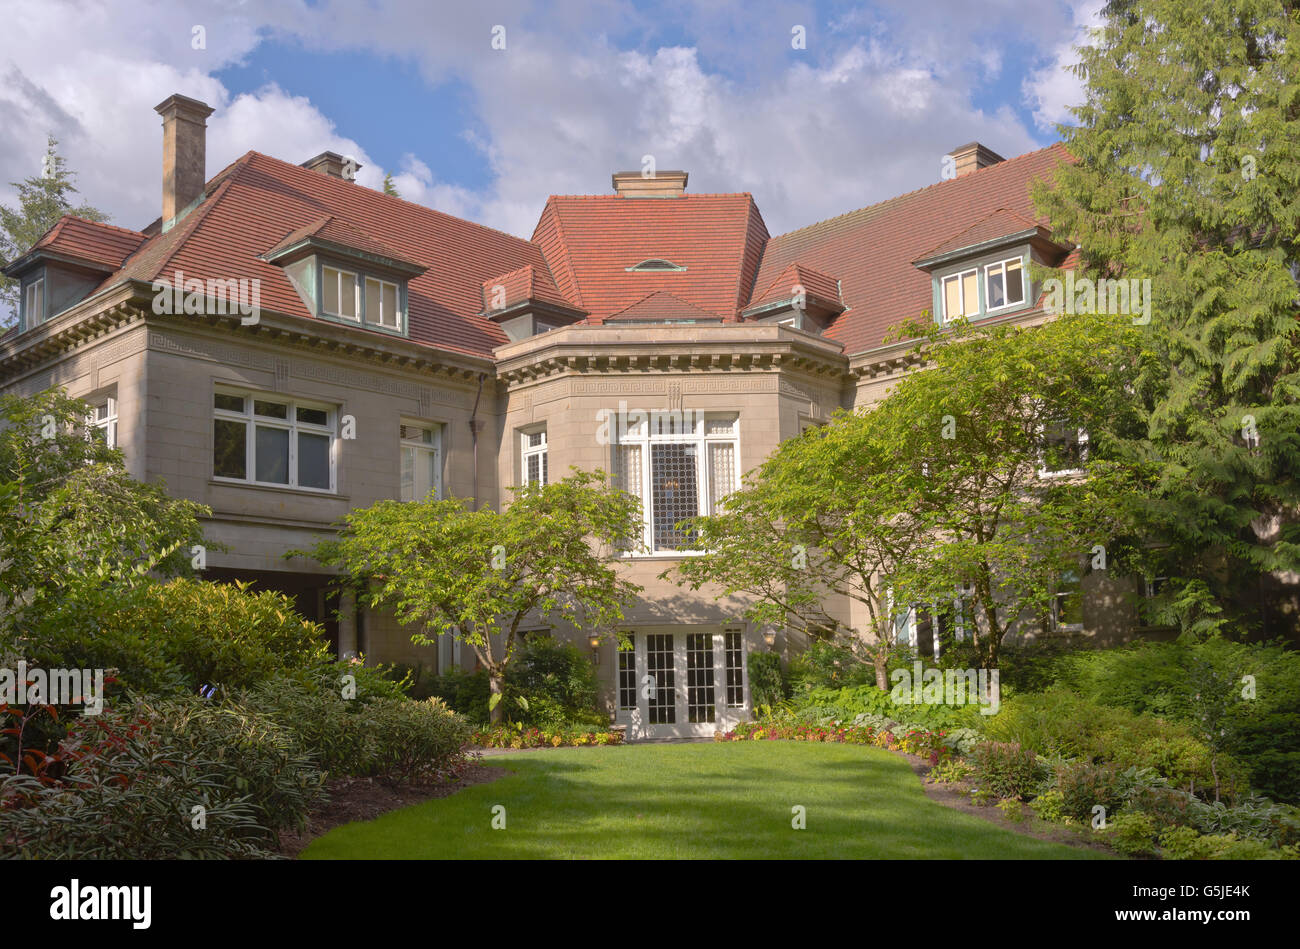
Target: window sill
column 277, row 489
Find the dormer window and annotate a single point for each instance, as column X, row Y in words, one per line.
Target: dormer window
column 339, row 293
column 34, row 302
column 1005, row 283
column 655, row 265
column 961, row 295
column 382, row 304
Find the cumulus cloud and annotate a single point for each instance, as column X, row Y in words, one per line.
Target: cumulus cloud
column 1054, row 89
column 583, row 89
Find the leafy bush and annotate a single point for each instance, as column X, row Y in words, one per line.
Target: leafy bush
column 506, row 736
column 1133, row 833
column 413, row 739
column 553, row 683
column 118, row 788
column 252, row 754
column 1050, row 806
column 1007, row 770
column 828, row 665
column 1083, row 785
column 1185, row 843
column 845, row 704
column 1012, row 809
column 767, row 686
column 952, row 771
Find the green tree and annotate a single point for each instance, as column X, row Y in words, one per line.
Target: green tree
column 1187, row 174
column 477, row 575
column 389, row 187
column 42, row 199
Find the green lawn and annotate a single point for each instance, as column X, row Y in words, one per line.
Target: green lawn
column 729, row 800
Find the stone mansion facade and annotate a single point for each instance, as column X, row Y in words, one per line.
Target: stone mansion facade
column 466, row 361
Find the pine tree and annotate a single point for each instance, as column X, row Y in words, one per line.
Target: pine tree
column 390, row 188
column 1188, row 174
column 42, row 200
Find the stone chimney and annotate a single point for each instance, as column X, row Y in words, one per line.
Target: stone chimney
column 662, row 184
column 334, row 165
column 973, row 157
column 185, row 123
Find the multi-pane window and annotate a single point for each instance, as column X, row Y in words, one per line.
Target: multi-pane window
column 1064, row 449
column 700, row 698
column 271, row 440
column 382, row 304
column 627, row 673
column 1067, row 603
column 680, row 465
column 102, row 421
column 662, row 704
column 961, row 295
column 34, row 302
column 734, row 644
column 1005, row 283
column 339, row 293
column 421, row 447
column 534, row 457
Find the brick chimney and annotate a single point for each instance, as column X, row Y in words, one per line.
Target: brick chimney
column 662, row 184
column 185, row 123
column 973, row 157
column 334, row 165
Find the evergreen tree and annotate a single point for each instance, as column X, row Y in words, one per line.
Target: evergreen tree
column 1188, row 174
column 42, row 199
column 390, row 188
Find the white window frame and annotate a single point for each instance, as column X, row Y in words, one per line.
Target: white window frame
column 1002, row 265
column 33, row 314
column 1043, row 471
column 434, row 448
column 357, row 283
column 291, row 424
column 108, row 423
column 397, row 303
column 640, row 435
column 959, row 276
column 529, row 451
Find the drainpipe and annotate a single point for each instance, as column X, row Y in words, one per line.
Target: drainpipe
column 473, row 429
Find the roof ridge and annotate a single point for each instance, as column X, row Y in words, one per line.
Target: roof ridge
column 564, row 252
column 619, row 197
column 908, row 194
column 116, row 227
column 190, row 222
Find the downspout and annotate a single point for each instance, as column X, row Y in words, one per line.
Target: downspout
column 473, row 429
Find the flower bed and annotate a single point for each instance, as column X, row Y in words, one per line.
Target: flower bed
column 502, row 736
column 914, row 741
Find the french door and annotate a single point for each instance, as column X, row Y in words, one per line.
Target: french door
column 675, row 684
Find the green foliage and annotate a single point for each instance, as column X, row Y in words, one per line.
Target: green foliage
column 1012, row 809
column 767, row 685
column 476, row 575
column 412, row 740
column 1050, row 806
column 1007, row 770
column 42, row 199
column 558, row 684
column 1084, row 785
column 828, row 664
column 1187, row 161
column 1185, row 843
column 952, row 771
column 1132, row 833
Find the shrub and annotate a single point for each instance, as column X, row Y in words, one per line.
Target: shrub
column 413, row 739
column 1007, row 770
column 1012, row 809
column 1050, row 806
column 506, row 736
column 1185, row 843
column 767, row 685
column 828, row 665
column 952, row 771
column 1133, row 833
column 118, row 789
column 248, row 752
column 1084, row 785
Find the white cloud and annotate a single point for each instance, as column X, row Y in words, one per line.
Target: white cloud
column 1055, row 88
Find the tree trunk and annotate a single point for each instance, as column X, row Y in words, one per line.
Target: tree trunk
column 496, row 685
column 881, row 662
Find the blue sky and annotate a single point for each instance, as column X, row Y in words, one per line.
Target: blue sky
column 865, row 109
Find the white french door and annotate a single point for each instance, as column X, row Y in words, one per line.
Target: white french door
column 675, row 684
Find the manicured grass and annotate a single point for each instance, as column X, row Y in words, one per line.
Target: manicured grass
column 729, row 800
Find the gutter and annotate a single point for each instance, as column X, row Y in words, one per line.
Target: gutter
column 473, row 430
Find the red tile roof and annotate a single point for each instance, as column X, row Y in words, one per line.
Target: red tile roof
column 257, row 201
column 1000, row 223
column 330, row 229
column 660, row 307
column 100, row 244
column 526, row 283
column 590, row 242
column 815, row 284
column 871, row 250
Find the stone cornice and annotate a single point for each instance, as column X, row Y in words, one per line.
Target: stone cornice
column 669, row 348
